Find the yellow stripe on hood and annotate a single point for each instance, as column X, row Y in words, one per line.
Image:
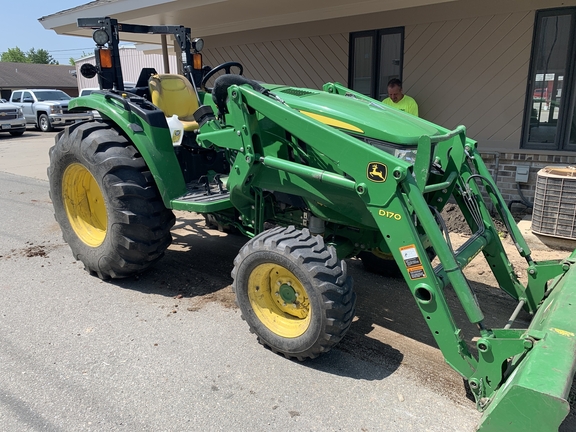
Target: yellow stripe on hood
column 332, row 122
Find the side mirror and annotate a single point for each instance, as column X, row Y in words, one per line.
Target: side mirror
column 88, row 70
column 28, row 99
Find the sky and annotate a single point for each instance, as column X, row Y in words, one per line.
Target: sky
column 20, row 28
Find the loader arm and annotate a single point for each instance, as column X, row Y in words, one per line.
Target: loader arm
column 403, row 200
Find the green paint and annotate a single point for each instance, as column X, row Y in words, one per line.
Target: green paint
column 287, row 293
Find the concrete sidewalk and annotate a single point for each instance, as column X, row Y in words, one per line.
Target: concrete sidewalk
column 542, row 242
column 26, row 155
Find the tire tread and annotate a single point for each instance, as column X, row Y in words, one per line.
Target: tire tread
column 332, row 282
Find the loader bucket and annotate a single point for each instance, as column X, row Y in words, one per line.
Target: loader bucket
column 534, row 397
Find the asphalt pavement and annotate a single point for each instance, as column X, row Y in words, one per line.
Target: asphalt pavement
column 168, row 351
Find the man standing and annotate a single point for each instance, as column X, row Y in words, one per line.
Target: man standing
column 398, row 100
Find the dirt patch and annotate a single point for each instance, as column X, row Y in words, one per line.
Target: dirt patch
column 35, row 251
column 455, row 222
column 479, row 270
column 224, row 297
column 30, row 251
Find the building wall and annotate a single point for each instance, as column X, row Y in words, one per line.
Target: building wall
column 503, row 166
column 132, row 61
column 303, row 62
column 469, row 71
column 472, row 71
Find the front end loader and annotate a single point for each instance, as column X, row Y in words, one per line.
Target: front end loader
column 312, row 178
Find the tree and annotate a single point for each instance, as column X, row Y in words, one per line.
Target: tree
column 15, row 55
column 72, row 62
column 41, row 56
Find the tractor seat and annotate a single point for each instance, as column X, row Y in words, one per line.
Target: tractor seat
column 174, row 94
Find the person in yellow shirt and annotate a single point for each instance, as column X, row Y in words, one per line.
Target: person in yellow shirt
column 399, row 100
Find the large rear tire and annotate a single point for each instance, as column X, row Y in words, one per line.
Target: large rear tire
column 293, row 292
column 106, row 202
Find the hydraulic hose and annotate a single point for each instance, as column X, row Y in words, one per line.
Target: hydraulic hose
column 522, row 199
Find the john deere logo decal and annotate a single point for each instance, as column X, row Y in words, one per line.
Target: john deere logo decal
column 377, row 172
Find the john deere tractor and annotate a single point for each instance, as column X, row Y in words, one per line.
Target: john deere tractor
column 312, row 177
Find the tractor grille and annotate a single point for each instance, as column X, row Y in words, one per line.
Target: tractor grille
column 554, row 212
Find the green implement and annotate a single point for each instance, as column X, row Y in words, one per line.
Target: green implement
column 541, row 379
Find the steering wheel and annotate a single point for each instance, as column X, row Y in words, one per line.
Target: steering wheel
column 226, row 66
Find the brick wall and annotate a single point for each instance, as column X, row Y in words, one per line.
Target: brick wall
column 506, row 165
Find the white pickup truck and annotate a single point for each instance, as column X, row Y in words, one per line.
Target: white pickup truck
column 47, row 109
column 11, row 119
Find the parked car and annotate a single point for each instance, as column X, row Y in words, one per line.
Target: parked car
column 47, row 109
column 11, row 119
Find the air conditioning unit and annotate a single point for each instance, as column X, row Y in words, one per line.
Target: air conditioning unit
column 554, row 212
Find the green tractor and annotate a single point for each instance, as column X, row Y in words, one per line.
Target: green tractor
column 311, row 177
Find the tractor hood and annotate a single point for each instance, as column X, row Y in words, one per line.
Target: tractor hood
column 360, row 117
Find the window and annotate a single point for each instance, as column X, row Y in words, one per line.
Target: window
column 27, row 97
column 550, row 118
column 51, row 95
column 376, row 56
column 16, row 97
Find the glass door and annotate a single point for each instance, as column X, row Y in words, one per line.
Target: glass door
column 376, row 56
column 391, row 55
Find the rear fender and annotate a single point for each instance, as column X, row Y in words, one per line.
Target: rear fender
column 146, row 127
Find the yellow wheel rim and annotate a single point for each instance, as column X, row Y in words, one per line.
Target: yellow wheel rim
column 382, row 255
column 84, row 205
column 279, row 300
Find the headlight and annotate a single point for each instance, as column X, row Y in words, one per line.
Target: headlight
column 101, row 38
column 20, row 112
column 197, row 44
column 56, row 109
column 408, row 155
column 405, row 152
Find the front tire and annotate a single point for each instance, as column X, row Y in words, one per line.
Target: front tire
column 293, row 292
column 106, row 201
column 44, row 123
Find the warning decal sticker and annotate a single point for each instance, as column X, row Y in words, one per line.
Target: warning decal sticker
column 416, row 272
column 412, row 262
column 410, row 256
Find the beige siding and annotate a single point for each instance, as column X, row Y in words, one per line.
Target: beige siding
column 305, row 62
column 472, row 71
column 132, row 61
